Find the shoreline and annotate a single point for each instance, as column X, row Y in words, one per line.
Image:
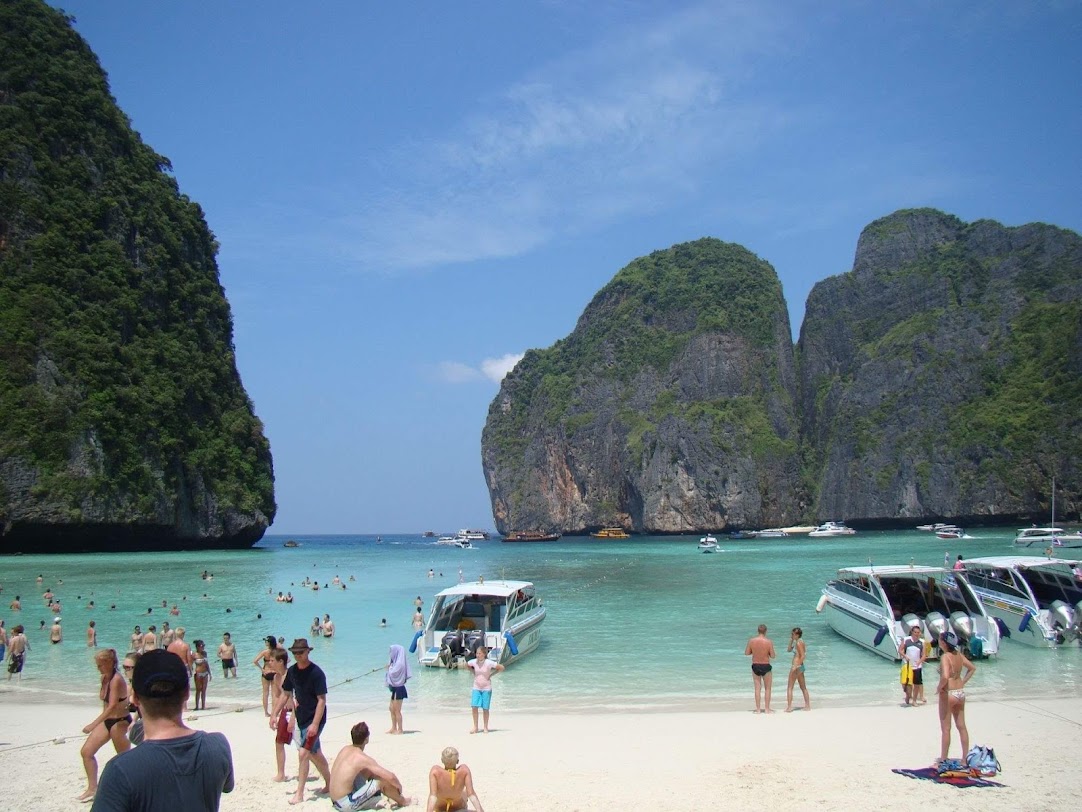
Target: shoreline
column 596, row 761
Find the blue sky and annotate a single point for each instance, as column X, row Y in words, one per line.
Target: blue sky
column 408, row 195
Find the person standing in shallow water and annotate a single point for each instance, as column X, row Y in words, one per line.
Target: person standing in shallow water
column 761, row 650
column 398, row 671
column 796, row 670
column 483, row 670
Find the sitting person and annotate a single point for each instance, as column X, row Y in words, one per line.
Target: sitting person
column 450, row 787
column 357, row 781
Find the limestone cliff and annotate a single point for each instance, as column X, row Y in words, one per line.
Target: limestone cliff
column 669, row 408
column 942, row 376
column 123, row 421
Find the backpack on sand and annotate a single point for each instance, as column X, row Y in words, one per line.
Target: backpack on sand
column 983, row 760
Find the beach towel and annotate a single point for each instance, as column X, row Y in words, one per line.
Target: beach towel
column 952, row 778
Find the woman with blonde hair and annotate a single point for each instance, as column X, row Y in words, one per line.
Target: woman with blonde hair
column 111, row 724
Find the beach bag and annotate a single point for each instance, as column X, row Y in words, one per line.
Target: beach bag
column 983, row 760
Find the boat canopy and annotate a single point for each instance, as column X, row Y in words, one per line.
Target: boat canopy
column 496, row 589
column 1024, row 561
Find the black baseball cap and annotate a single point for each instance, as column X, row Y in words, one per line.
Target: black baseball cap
column 159, row 674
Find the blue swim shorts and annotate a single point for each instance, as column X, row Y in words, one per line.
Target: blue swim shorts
column 398, row 692
column 481, row 699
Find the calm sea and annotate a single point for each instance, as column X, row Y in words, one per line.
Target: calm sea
column 644, row 624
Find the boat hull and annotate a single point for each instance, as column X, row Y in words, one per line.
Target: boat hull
column 862, row 628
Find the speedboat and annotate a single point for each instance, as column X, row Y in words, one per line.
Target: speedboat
column 708, row 544
column 831, row 529
column 1036, row 600
column 611, row 533
column 1047, row 537
column 503, row 616
column 455, row 541
column 876, row 607
column 933, row 528
column 949, row 531
column 473, row 535
column 772, row 533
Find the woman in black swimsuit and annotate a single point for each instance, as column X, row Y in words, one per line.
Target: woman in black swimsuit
column 263, row 662
column 111, row 724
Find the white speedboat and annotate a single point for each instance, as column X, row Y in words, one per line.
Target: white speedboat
column 503, row 616
column 473, row 535
column 708, row 544
column 1043, row 537
column 1036, row 600
column 455, row 541
column 932, row 528
column 876, row 607
column 831, row 529
column 771, row 533
column 949, row 531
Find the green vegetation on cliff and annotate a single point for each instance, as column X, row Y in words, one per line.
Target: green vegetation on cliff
column 118, row 382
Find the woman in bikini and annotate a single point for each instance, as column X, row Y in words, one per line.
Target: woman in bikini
column 264, row 661
column 111, row 724
column 796, row 671
column 200, row 673
column 955, row 670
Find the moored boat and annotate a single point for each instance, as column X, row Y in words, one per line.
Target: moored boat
column 1038, row 601
column 876, row 607
column 503, row 616
column 610, row 533
column 531, row 535
column 1048, row 537
column 829, row 529
column 473, row 535
column 708, row 544
column 771, row 533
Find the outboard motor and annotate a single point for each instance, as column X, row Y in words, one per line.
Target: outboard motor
column 473, row 639
column 909, row 621
column 963, row 625
column 1063, row 616
column 937, row 625
column 451, row 646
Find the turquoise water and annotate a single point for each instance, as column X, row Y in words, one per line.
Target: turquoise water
column 647, row 623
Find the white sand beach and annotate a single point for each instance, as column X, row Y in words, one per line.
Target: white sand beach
column 829, row 758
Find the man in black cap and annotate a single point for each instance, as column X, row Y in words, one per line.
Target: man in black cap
column 308, row 684
column 175, row 767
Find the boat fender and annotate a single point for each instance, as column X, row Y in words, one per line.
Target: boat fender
column 1026, row 618
column 413, row 642
column 511, row 644
column 879, row 635
column 822, row 603
column 1004, row 629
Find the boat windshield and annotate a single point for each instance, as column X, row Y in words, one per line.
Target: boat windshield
column 997, row 579
column 857, row 586
column 1050, row 585
column 480, row 612
column 522, row 603
column 923, row 595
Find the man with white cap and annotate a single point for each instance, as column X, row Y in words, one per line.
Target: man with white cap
column 56, row 634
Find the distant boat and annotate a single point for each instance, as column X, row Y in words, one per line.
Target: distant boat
column 455, row 541
column 1051, row 536
column 531, row 535
column 708, row 544
column 771, row 533
column 933, row 528
column 291, row 543
column 473, row 535
column 611, row 533
column 428, row 534
column 949, row 531
column 830, row 529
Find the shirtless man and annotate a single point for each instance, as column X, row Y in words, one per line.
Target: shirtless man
column 227, row 653
column 137, row 640
column 357, row 781
column 181, row 649
column 450, row 787
column 16, row 604
column 56, row 634
column 761, row 650
column 328, row 626
column 17, row 648
column 168, row 636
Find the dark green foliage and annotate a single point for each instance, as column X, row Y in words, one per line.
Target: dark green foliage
column 114, row 328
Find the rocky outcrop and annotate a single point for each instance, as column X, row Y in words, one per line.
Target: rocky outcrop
column 124, row 421
column 940, row 377
column 669, row 409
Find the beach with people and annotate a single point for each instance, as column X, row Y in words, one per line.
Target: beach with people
column 660, row 685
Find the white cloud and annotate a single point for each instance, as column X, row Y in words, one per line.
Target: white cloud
column 625, row 127
column 495, row 369
column 492, row 369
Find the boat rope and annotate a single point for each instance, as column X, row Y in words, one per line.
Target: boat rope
column 601, row 579
column 1037, row 711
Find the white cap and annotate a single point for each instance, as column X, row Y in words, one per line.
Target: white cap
column 56, row 620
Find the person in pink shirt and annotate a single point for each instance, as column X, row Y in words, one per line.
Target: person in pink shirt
column 483, row 670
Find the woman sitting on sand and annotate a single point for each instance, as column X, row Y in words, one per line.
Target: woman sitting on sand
column 955, row 670
column 111, row 724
